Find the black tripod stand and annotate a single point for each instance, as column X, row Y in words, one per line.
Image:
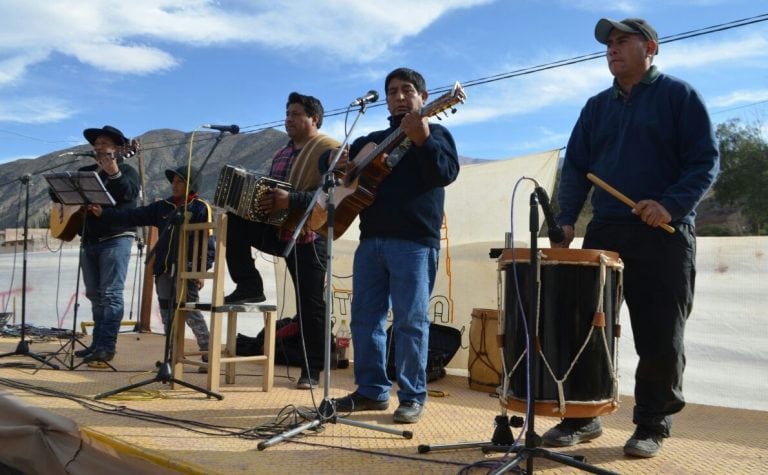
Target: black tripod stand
column 164, row 370
column 326, row 412
column 22, row 349
column 532, row 448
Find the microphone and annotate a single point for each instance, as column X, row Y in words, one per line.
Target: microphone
column 372, row 96
column 232, row 129
column 554, row 231
column 78, row 154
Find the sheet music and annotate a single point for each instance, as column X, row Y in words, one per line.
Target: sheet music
column 79, row 188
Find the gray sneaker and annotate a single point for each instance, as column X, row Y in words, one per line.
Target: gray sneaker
column 644, row 443
column 573, row 431
column 308, row 381
column 408, row 412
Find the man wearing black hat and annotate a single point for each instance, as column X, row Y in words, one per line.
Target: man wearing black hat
column 161, row 214
column 650, row 136
column 107, row 246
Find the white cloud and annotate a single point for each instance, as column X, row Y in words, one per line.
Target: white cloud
column 705, row 52
column 531, row 93
column 13, row 69
column 112, row 34
column 740, row 97
column 35, row 110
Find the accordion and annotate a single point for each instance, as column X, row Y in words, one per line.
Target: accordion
column 238, row 191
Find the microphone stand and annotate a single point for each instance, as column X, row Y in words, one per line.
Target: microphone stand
column 164, row 370
column 22, row 349
column 532, row 448
column 327, row 410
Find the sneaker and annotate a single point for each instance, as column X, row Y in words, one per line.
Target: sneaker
column 409, row 412
column 244, row 294
column 99, row 355
column 308, row 381
column 644, row 443
column 573, row 431
column 355, row 402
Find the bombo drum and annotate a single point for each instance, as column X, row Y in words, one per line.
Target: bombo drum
column 576, row 330
column 484, row 362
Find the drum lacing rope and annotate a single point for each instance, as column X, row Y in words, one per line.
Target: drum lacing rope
column 600, row 303
column 614, row 378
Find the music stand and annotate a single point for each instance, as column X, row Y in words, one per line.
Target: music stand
column 326, row 411
column 22, row 349
column 77, row 189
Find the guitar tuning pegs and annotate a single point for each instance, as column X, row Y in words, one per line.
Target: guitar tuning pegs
column 453, row 110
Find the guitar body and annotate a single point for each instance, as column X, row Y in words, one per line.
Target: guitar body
column 351, row 197
column 66, row 221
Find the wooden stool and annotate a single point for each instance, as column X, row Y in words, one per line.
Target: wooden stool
column 193, row 241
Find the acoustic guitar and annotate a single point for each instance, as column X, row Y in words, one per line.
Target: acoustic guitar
column 67, row 220
column 374, row 163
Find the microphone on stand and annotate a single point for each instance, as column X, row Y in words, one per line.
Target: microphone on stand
column 371, row 96
column 232, row 129
column 554, row 231
column 78, row 154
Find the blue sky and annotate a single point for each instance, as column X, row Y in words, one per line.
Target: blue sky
column 67, row 65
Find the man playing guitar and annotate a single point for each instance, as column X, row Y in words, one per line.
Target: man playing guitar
column 106, row 248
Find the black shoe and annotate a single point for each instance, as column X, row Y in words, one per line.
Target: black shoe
column 84, row 352
column 357, row 402
column 573, row 431
column 245, row 294
column 644, row 443
column 99, row 355
column 308, row 381
column 409, row 412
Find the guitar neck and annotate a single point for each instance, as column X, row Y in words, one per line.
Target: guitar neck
column 442, row 103
column 395, row 137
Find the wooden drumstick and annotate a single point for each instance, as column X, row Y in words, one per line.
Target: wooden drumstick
column 621, row 197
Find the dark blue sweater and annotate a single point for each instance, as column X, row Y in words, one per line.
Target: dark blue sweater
column 159, row 214
column 409, row 202
column 658, row 144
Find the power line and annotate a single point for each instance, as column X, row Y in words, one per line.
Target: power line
column 553, row 65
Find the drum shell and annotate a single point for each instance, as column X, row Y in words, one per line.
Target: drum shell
column 484, row 364
column 568, row 299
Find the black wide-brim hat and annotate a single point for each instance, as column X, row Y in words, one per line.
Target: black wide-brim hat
column 113, row 133
column 181, row 172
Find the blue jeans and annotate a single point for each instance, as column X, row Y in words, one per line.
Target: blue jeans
column 399, row 273
column 104, row 267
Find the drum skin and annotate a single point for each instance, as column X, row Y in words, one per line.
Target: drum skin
column 569, row 298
